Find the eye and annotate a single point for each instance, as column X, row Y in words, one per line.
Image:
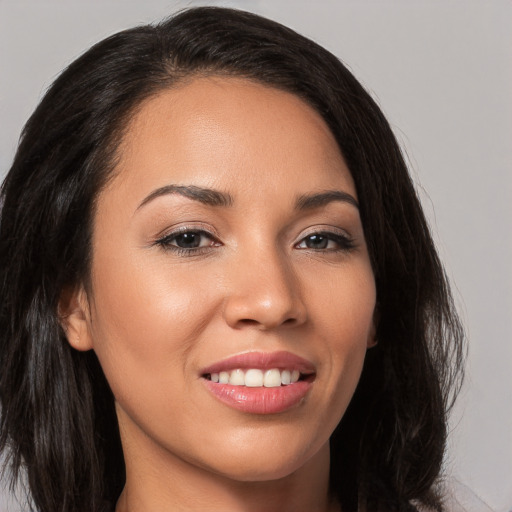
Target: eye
column 326, row 241
column 187, row 240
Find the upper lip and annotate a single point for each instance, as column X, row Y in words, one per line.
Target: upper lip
column 262, row 360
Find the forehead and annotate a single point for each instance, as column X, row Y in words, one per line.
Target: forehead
column 229, row 132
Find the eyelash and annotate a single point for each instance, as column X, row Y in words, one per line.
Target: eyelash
column 344, row 242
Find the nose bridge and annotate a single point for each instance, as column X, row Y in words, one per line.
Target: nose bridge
column 265, row 290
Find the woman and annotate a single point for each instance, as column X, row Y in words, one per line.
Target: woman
column 219, row 290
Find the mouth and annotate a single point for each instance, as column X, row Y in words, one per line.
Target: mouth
column 260, row 383
column 257, row 378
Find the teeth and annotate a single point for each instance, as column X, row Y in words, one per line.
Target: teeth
column 255, row 378
column 272, row 378
column 237, row 378
column 285, row 377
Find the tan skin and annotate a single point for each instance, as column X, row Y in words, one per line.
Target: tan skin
column 265, row 276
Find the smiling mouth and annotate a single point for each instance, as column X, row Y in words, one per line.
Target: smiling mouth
column 258, row 378
column 260, row 382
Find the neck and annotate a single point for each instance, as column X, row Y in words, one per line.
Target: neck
column 159, row 482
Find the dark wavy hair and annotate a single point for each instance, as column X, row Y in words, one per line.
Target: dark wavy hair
column 58, row 423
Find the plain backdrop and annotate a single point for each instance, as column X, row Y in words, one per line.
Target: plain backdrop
column 442, row 72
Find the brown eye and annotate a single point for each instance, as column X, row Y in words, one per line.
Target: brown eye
column 316, row 242
column 187, row 240
column 326, row 242
column 190, row 240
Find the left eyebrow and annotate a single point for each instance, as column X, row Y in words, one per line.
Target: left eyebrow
column 206, row 196
column 310, row 201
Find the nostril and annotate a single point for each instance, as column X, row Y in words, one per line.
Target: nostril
column 248, row 321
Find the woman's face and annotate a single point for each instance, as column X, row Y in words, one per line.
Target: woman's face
column 229, row 246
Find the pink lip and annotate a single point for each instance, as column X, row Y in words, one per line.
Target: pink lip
column 261, row 400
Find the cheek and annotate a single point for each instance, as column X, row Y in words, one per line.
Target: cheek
column 145, row 318
column 344, row 320
column 342, row 305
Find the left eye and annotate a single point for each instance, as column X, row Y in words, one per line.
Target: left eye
column 187, row 240
column 325, row 241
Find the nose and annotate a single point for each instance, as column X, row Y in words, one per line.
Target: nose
column 265, row 293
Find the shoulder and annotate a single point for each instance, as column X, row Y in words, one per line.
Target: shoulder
column 457, row 498
column 460, row 498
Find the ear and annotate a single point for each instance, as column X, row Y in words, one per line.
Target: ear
column 372, row 335
column 74, row 317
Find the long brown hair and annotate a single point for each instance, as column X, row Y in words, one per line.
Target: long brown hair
column 58, row 421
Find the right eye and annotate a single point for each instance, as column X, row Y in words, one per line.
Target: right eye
column 187, row 241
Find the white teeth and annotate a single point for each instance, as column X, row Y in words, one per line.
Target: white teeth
column 237, row 378
column 272, row 378
column 285, row 377
column 254, row 378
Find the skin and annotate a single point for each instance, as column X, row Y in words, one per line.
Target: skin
column 156, row 316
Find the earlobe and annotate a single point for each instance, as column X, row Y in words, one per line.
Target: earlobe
column 372, row 338
column 371, row 342
column 372, row 335
column 74, row 318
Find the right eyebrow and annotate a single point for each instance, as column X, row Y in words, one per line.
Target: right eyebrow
column 206, row 196
column 310, row 201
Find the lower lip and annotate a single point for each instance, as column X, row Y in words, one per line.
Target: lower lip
column 260, row 400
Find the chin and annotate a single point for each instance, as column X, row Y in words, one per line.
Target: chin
column 257, row 473
column 267, row 464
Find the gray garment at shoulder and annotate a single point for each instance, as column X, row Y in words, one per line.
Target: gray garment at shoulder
column 458, row 498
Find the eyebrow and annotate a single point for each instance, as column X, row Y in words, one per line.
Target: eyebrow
column 213, row 197
column 206, row 196
column 310, row 201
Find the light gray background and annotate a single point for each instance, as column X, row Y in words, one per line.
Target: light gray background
column 442, row 72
